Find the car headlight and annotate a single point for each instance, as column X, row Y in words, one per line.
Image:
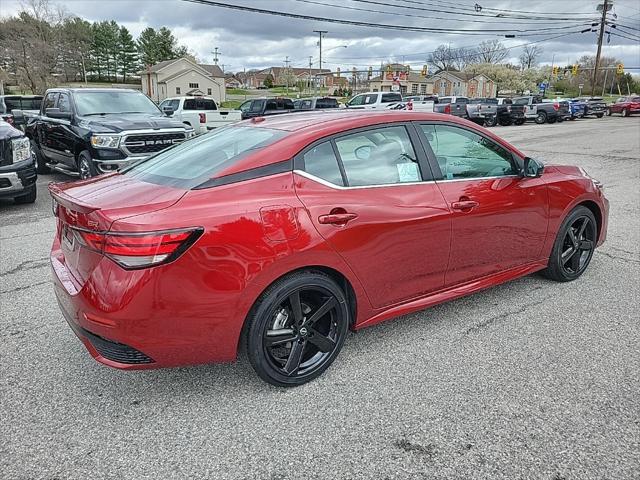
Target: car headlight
column 105, row 141
column 597, row 183
column 21, row 148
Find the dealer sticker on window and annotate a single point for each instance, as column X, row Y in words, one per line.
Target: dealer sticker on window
column 408, row 172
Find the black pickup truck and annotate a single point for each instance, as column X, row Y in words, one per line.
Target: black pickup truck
column 17, row 167
column 259, row 107
column 88, row 131
column 494, row 111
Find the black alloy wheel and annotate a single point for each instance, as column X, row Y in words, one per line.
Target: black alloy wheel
column 574, row 246
column 297, row 328
column 86, row 168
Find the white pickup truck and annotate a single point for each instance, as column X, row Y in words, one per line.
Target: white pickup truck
column 200, row 113
column 371, row 100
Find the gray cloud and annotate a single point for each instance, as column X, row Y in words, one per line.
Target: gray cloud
column 249, row 40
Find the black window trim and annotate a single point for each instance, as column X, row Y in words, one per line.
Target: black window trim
column 516, row 161
column 423, row 163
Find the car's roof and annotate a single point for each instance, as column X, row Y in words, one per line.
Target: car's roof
column 63, row 89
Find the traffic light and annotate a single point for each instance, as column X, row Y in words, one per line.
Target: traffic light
column 555, row 70
column 370, row 73
column 620, row 68
column 338, row 72
column 425, row 70
column 574, row 70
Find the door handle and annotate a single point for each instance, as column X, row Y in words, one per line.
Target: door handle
column 464, row 205
column 337, row 218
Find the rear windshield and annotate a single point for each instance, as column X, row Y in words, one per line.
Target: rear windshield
column 195, row 161
column 391, row 97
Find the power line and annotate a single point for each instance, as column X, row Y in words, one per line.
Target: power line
column 481, row 8
column 407, row 28
column 415, row 15
column 454, row 12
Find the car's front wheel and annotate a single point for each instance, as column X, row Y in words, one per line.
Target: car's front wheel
column 574, row 246
column 86, row 168
column 541, row 118
column 297, row 328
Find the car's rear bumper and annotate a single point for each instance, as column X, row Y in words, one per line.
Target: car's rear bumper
column 122, row 322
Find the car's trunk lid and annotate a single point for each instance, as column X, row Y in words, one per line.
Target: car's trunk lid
column 93, row 205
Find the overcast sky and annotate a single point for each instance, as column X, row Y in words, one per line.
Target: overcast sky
column 251, row 40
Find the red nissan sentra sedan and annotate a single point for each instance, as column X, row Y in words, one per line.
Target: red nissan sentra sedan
column 287, row 231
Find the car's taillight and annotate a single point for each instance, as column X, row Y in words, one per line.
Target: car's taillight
column 556, row 106
column 447, row 108
column 140, row 250
column 203, row 117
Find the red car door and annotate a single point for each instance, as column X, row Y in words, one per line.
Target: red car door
column 366, row 195
column 499, row 218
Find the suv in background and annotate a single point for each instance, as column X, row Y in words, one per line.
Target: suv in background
column 200, row 113
column 87, row 131
column 315, row 103
column 371, row 100
column 17, row 167
column 258, row 107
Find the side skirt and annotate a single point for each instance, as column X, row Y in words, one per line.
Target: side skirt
column 452, row 293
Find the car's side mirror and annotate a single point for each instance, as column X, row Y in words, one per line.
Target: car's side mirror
column 532, row 168
column 168, row 110
column 56, row 113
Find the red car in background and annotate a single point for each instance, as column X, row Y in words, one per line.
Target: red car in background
column 285, row 232
column 625, row 106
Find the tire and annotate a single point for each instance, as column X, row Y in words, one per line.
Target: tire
column 553, row 119
column 608, row 112
column 491, row 121
column 85, row 166
column 41, row 163
column 308, row 345
column 574, row 246
column 599, row 115
column 625, row 112
column 560, row 119
column 506, row 122
column 519, row 122
column 541, row 118
column 28, row 198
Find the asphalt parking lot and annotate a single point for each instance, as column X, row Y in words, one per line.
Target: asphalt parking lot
column 528, row 380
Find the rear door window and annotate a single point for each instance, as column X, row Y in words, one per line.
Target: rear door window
column 192, row 163
column 257, row 106
column 321, row 162
column 12, row 103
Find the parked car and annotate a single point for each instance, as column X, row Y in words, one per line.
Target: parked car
column 259, row 107
column 286, row 230
column 314, row 103
column 577, row 108
column 17, row 166
column 28, row 104
column 419, row 103
column 494, row 111
column 88, row 131
column 373, row 100
column 595, row 106
column 625, row 106
column 200, row 113
column 539, row 111
column 452, row 105
column 562, row 108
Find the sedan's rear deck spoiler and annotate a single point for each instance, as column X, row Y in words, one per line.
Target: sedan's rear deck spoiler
column 69, row 202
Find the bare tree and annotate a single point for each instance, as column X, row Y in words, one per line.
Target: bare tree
column 491, row 51
column 529, row 56
column 462, row 57
column 440, row 59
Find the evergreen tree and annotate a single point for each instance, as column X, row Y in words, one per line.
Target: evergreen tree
column 127, row 55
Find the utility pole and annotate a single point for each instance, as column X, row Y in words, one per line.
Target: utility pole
column 603, row 19
column 320, row 33
column 310, row 65
column 286, row 72
column 215, row 55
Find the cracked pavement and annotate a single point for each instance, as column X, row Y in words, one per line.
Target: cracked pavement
column 528, row 380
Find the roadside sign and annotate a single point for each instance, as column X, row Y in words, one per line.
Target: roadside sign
column 581, row 85
column 395, row 88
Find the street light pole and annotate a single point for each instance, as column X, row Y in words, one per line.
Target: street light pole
column 320, row 33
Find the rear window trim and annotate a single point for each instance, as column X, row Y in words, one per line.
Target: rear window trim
column 250, row 174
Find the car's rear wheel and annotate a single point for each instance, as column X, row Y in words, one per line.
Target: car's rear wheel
column 574, row 246
column 505, row 122
column 553, row 119
column 519, row 122
column 541, row 117
column 625, row 112
column 297, row 328
column 608, row 112
column 599, row 115
column 490, row 121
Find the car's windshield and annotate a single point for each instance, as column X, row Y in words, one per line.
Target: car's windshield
column 193, row 162
column 113, row 101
